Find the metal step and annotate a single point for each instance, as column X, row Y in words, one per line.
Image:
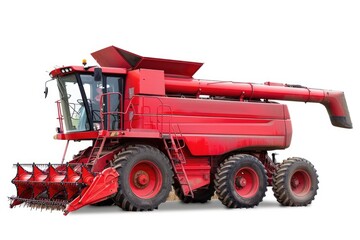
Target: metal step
column 177, row 159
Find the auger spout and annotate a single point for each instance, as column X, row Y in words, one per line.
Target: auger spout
column 335, row 104
column 334, row 101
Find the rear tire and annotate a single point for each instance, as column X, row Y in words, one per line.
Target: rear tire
column 295, row 183
column 241, row 181
column 145, row 178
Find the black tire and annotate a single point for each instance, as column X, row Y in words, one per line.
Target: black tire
column 235, row 192
column 146, row 161
column 295, row 183
column 201, row 195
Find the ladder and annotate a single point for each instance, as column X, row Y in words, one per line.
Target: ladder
column 96, row 149
column 177, row 159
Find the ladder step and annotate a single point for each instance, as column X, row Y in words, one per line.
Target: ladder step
column 177, row 163
column 177, row 159
column 96, row 151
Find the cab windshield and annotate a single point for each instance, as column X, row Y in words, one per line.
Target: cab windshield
column 80, row 104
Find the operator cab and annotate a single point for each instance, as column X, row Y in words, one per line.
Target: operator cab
column 81, row 95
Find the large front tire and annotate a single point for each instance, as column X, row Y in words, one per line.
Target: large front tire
column 295, row 183
column 241, row 181
column 145, row 178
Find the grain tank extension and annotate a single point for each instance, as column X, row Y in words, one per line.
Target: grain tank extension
column 154, row 127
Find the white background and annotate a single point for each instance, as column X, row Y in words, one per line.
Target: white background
column 312, row 43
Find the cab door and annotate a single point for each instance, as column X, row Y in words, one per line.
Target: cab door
column 113, row 102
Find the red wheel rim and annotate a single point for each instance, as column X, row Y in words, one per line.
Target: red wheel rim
column 246, row 182
column 145, row 179
column 300, row 183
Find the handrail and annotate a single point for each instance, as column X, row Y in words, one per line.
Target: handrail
column 60, row 116
column 176, row 137
column 159, row 114
column 108, row 110
column 162, row 117
column 162, row 105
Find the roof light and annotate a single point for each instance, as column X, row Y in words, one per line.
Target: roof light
column 84, row 62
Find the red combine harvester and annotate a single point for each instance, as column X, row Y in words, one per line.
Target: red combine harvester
column 154, row 126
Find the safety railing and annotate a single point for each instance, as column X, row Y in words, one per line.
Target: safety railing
column 161, row 116
column 109, row 114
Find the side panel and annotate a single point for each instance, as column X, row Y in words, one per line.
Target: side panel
column 221, row 144
column 197, row 169
column 215, row 127
column 146, row 81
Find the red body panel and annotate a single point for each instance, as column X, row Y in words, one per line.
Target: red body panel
column 215, row 127
column 142, row 82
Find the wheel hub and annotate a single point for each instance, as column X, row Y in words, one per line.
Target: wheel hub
column 246, row 182
column 300, row 183
column 141, row 179
column 240, row 182
column 295, row 182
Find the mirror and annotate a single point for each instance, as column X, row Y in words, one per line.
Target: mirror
column 97, row 74
column 46, row 91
